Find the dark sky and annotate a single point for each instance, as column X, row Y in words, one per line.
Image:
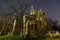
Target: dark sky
column 50, row 7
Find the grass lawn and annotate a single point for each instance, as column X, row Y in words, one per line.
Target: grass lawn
column 17, row 37
column 10, row 38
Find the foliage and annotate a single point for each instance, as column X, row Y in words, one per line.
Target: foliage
column 52, row 22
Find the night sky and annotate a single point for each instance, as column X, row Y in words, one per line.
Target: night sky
column 50, row 7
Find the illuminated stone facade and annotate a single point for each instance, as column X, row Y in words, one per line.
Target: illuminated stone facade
column 34, row 23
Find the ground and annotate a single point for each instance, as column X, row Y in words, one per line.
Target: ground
column 17, row 37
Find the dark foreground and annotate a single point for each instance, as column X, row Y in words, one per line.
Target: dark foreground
column 17, row 37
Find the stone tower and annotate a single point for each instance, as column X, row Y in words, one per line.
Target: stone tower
column 41, row 17
column 32, row 12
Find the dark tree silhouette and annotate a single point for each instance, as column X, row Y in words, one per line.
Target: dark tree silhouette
column 53, row 24
column 18, row 7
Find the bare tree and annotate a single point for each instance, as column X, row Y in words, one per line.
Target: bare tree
column 18, row 7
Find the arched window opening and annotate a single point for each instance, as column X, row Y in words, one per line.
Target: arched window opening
column 28, row 27
column 35, row 27
column 32, row 25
